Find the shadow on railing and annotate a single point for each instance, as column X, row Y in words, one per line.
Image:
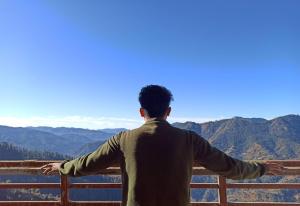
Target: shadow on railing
column 31, row 167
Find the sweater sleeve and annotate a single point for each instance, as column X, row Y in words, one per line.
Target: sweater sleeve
column 89, row 164
column 222, row 164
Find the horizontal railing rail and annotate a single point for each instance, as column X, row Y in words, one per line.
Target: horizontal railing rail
column 32, row 167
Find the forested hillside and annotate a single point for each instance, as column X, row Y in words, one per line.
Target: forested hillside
column 12, row 152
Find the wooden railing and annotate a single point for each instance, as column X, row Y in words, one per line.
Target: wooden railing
column 31, row 167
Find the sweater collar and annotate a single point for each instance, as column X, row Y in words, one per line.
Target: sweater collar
column 156, row 120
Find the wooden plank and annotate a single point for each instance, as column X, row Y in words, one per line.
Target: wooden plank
column 263, row 204
column 95, row 203
column 117, row 203
column 30, row 203
column 264, row 185
column 111, row 203
column 286, row 163
column 204, row 204
column 95, row 185
column 204, row 185
column 32, row 167
column 293, row 171
column 25, row 163
column 28, row 185
column 38, row 163
column 38, row 171
column 20, row 171
column 119, row 185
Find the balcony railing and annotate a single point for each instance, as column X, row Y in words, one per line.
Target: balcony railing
column 31, row 167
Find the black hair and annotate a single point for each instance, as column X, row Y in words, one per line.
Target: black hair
column 155, row 99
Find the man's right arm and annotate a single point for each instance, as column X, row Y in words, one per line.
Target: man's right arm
column 92, row 163
column 89, row 164
column 222, row 164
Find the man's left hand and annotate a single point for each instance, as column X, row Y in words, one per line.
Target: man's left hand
column 273, row 168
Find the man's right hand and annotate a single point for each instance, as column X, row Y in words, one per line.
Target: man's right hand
column 51, row 168
column 273, row 168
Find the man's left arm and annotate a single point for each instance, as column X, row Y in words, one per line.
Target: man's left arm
column 222, row 164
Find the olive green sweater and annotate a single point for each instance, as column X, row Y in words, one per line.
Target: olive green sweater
column 156, row 161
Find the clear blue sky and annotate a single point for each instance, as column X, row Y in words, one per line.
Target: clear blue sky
column 89, row 59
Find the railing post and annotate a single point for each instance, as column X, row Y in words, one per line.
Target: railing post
column 222, row 191
column 64, row 190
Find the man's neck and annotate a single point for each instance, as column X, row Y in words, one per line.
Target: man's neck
column 153, row 118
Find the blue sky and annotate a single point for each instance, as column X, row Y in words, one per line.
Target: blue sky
column 82, row 63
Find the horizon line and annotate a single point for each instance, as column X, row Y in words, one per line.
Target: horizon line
column 98, row 123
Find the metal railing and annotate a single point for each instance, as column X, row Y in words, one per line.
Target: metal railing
column 31, row 167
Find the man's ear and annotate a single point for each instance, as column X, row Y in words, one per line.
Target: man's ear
column 169, row 111
column 142, row 112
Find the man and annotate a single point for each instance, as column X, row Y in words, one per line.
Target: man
column 156, row 159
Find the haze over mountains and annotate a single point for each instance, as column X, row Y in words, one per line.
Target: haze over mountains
column 247, row 138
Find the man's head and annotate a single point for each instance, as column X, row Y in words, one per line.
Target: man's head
column 155, row 101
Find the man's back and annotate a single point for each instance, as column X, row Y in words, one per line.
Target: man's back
column 158, row 161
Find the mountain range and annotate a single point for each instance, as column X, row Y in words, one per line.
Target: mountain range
column 62, row 140
column 252, row 138
column 246, row 138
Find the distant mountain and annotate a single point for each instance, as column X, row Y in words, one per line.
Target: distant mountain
column 91, row 135
column 35, row 140
column 114, row 130
column 87, row 148
column 61, row 140
column 252, row 138
column 92, row 146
